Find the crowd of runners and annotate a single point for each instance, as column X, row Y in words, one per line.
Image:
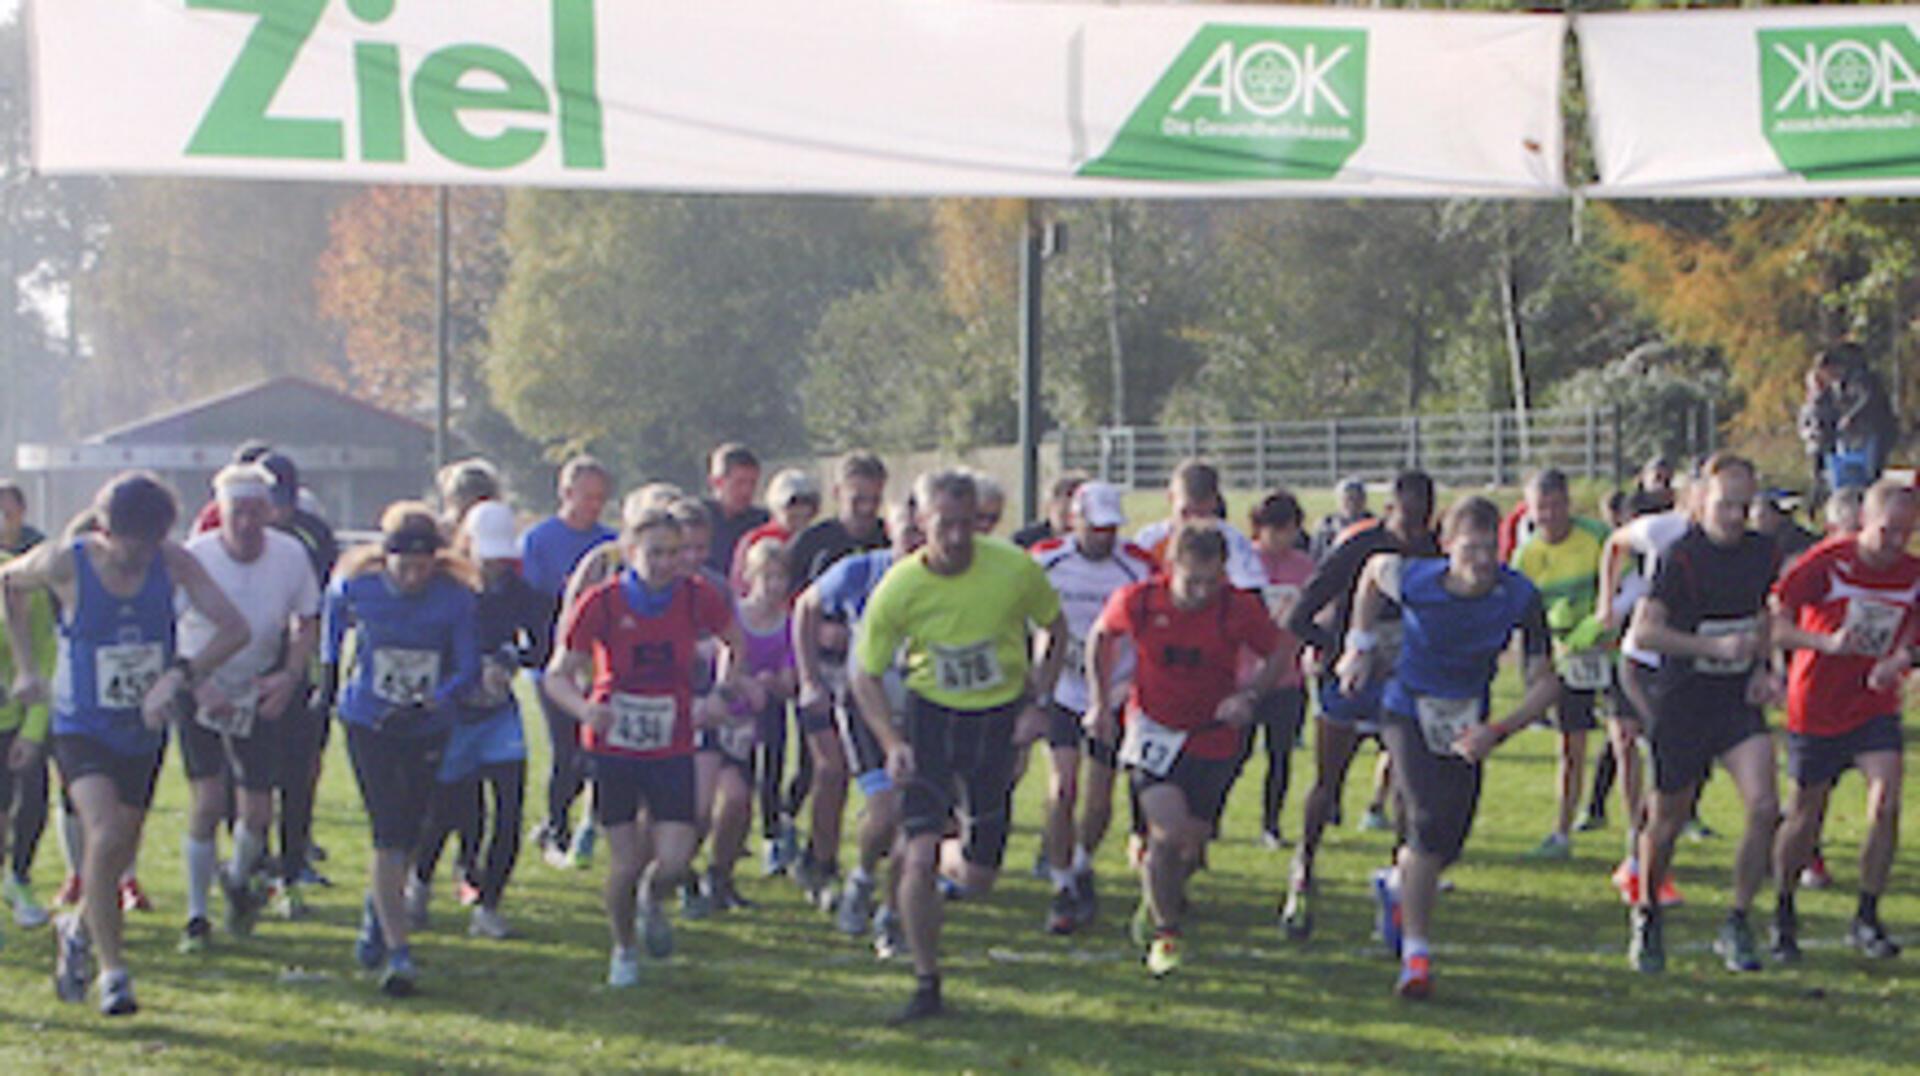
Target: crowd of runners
column 899, row 649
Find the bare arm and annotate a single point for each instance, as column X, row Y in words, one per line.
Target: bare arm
column 230, row 631
column 807, row 618
column 47, row 566
column 1652, row 632
column 1099, row 720
column 276, row 688
column 1378, row 582
column 1050, row 641
column 1613, row 557
column 564, row 675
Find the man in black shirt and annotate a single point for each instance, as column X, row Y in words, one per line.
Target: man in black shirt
column 1319, row 619
column 733, row 472
column 16, row 535
column 1706, row 615
column 1059, row 518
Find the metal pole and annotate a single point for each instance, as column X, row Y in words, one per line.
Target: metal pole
column 441, row 394
column 11, row 288
column 1030, row 365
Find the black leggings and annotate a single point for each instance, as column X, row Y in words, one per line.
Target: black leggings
column 462, row 807
column 567, row 777
column 29, row 814
column 1278, row 717
column 303, row 736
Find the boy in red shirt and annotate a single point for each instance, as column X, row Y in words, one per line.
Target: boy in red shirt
column 1846, row 609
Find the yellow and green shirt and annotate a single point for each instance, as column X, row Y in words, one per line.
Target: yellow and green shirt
column 1567, row 572
column 30, row 722
column 965, row 635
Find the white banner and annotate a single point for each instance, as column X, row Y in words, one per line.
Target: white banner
column 1764, row 102
column 791, row 96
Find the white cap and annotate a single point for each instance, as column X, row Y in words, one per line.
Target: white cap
column 791, row 485
column 1098, row 503
column 491, row 531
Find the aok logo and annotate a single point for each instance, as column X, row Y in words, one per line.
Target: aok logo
column 1842, row 102
column 445, row 88
column 1248, row 102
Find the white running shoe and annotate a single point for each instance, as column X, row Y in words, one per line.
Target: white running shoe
column 623, row 969
column 488, row 923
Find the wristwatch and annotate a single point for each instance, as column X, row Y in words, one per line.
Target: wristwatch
column 183, row 666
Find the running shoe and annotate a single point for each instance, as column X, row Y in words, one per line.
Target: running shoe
column 1698, row 830
column 723, row 895
column 1555, row 847
column 1416, row 978
column 1592, row 823
column 1163, row 956
column 1814, row 875
column 116, row 994
column 783, row 850
column 71, row 954
column 694, row 905
column 656, row 930
column 1272, row 841
column 68, row 894
column 370, row 947
column 924, row 1005
column 1386, row 899
column 1646, row 950
column 1087, row 897
column 488, row 923
column 816, row 881
column 195, row 936
column 552, row 850
column 27, row 912
column 1784, row 945
column 309, row 876
column 133, row 898
column 419, row 897
column 1375, row 821
column 1063, row 912
column 856, row 907
column 1296, row 913
column 293, row 903
column 243, row 904
column 889, row 935
column 1626, row 880
column 623, row 968
column 1871, row 939
column 580, row 854
column 1735, row 945
column 1140, row 927
column 398, row 980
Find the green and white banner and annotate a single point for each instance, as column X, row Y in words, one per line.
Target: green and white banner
column 1765, row 102
column 982, row 97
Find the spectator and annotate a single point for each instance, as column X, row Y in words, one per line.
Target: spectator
column 733, row 473
column 1352, row 510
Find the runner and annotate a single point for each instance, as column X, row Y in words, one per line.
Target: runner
column 961, row 607
column 840, row 596
column 1457, row 616
column 1345, row 716
column 1561, row 556
column 410, row 603
column 993, row 503
column 549, row 552
column 463, row 484
column 1279, row 714
column 23, row 748
column 486, row 750
column 119, row 680
column 1351, row 513
column 696, row 538
column 733, row 473
column 855, row 528
column 1193, row 493
column 1086, row 566
column 635, row 634
column 729, row 746
column 1185, row 721
column 1058, row 522
column 794, row 499
column 265, row 574
column 1846, row 611
column 1705, row 617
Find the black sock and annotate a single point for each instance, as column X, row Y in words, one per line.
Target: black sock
column 1783, row 911
column 1869, row 910
column 1736, row 915
column 927, row 984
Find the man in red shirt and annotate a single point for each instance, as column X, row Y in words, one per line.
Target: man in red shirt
column 635, row 635
column 1184, row 719
column 1846, row 609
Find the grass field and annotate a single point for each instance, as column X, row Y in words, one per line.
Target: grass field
column 1529, row 960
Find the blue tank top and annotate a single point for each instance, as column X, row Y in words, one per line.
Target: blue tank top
column 414, row 655
column 1452, row 645
column 112, row 649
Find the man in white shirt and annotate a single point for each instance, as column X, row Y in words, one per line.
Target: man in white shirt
column 265, row 573
column 1193, row 492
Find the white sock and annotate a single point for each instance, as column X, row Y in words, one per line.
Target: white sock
column 1411, row 947
column 1082, row 859
column 860, row 876
column 200, row 867
column 248, row 847
column 1062, row 879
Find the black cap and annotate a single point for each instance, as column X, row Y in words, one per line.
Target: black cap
column 286, row 478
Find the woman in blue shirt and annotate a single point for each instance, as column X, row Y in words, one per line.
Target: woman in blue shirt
column 411, row 606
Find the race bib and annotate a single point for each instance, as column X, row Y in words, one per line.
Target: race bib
column 1149, row 746
column 1874, row 623
column 736, row 741
column 642, row 722
column 1713, row 629
column 1443, row 720
column 1279, row 597
column 124, row 672
column 405, row 677
column 964, row 670
column 1588, row 670
column 236, row 722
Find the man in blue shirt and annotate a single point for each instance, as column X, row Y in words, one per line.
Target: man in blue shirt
column 548, row 553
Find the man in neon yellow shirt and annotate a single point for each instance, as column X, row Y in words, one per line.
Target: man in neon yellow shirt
column 962, row 606
column 23, row 736
column 1562, row 558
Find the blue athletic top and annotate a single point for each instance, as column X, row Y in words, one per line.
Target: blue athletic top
column 550, row 550
column 1452, row 644
column 845, row 587
column 111, row 652
column 414, row 654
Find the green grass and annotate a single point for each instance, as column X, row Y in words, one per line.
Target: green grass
column 1529, row 958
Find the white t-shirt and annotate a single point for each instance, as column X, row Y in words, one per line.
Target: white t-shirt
column 1084, row 585
column 1649, row 537
column 269, row 591
column 1245, row 569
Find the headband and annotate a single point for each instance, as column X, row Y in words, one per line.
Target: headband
column 413, row 541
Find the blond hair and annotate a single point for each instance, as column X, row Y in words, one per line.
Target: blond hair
column 403, row 517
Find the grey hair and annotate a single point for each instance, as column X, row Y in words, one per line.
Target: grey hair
column 951, row 482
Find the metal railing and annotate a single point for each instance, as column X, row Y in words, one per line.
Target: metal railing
column 1457, row 449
